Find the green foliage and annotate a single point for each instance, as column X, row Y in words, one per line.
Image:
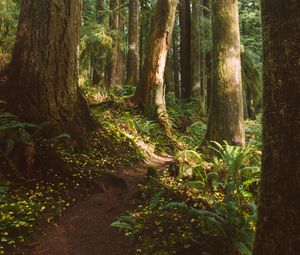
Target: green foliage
column 194, row 134
column 15, row 134
column 179, row 110
column 251, row 75
column 97, row 38
column 250, row 25
column 124, row 90
column 209, row 208
column 130, row 123
column 9, row 13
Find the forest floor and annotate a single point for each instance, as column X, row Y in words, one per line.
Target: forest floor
column 69, row 206
column 85, row 229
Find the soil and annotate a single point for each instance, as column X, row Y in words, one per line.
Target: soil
column 85, row 228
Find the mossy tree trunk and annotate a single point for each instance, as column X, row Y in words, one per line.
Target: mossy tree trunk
column 152, row 80
column 133, row 43
column 278, row 226
column 43, row 82
column 185, row 48
column 226, row 114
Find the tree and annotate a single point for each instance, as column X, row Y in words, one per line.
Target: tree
column 116, row 62
column 133, row 52
column 196, row 47
column 151, row 91
column 185, row 48
column 43, row 74
column 278, row 224
column 226, row 111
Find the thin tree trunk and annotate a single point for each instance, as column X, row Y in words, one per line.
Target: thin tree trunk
column 133, row 53
column 278, row 226
column 113, row 60
column 121, row 69
column 116, row 62
column 97, row 64
column 207, row 59
column 226, row 120
column 185, row 48
column 100, row 7
column 43, row 83
column 197, row 14
column 177, row 86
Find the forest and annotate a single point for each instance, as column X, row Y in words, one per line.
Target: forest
column 142, row 127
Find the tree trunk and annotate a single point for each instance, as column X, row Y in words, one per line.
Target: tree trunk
column 169, row 74
column 177, row 86
column 197, row 15
column 97, row 63
column 100, row 7
column 206, row 70
column 226, row 114
column 185, row 48
column 116, row 62
column 152, row 82
column 43, row 82
column 121, row 69
column 278, row 226
column 133, row 53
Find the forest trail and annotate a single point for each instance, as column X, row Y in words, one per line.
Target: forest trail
column 85, row 228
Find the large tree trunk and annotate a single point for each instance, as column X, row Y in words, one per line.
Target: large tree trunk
column 226, row 114
column 152, row 82
column 278, row 226
column 43, row 77
column 185, row 48
column 133, row 53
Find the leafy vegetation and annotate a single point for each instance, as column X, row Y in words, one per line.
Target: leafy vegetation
column 208, row 207
column 9, row 12
column 28, row 201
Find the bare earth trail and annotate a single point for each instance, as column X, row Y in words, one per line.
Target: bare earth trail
column 85, row 228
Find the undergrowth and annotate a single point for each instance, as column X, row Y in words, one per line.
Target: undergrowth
column 62, row 176
column 204, row 203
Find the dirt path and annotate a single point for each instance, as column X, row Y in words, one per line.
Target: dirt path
column 85, row 228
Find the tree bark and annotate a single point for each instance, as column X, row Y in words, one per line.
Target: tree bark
column 43, row 83
column 98, row 64
column 116, row 63
column 152, row 81
column 206, row 70
column 226, row 114
column 121, row 69
column 133, row 53
column 177, row 86
column 278, row 226
column 196, row 47
column 185, row 48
